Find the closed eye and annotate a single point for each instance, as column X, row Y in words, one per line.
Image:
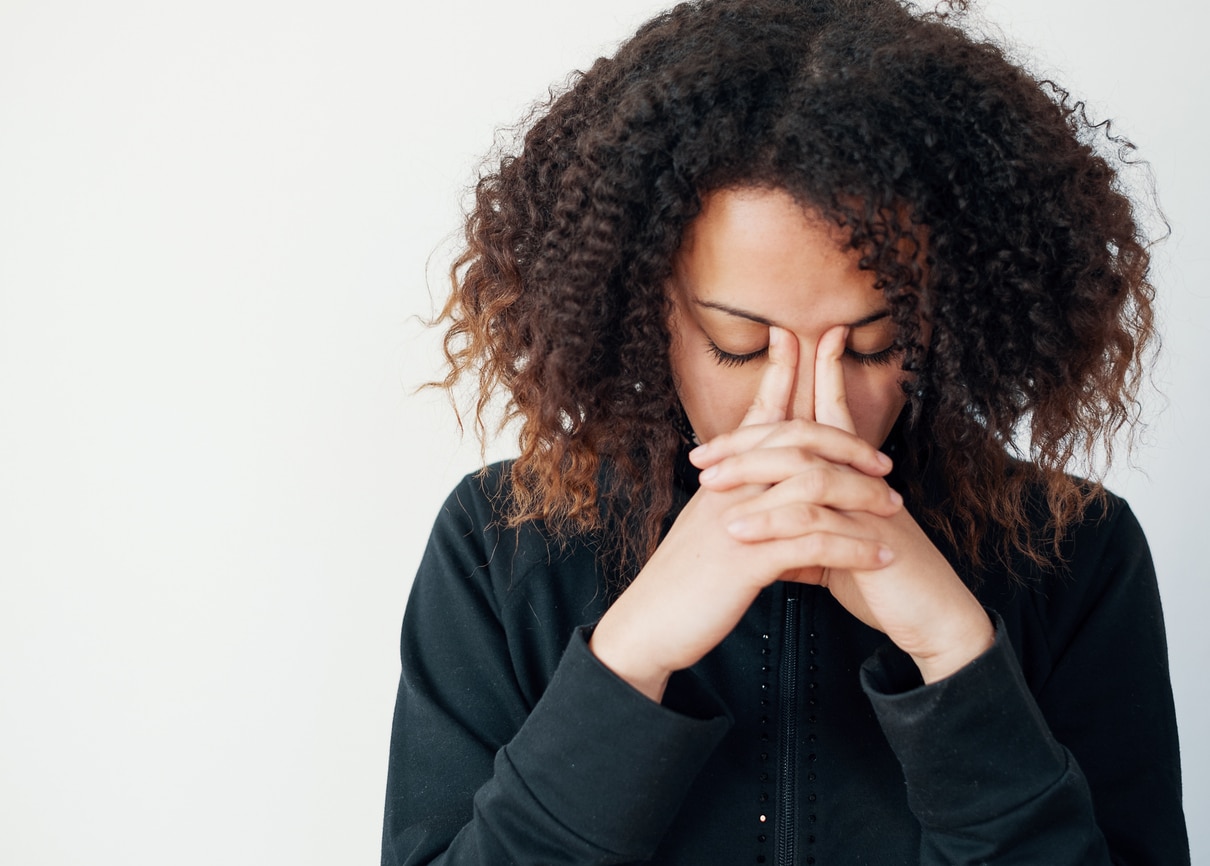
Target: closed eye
column 871, row 359
column 866, row 359
column 729, row 359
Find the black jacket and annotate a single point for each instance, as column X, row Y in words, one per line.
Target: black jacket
column 805, row 737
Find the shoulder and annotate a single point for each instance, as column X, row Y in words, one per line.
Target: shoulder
column 533, row 589
column 1106, row 570
column 474, row 538
column 479, row 502
column 472, row 528
column 1107, row 528
column 1100, row 552
column 1104, row 543
column 1101, row 580
column 1104, row 531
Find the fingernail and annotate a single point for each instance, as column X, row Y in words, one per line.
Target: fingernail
column 709, row 474
column 885, row 555
column 885, row 461
column 738, row 528
column 896, row 499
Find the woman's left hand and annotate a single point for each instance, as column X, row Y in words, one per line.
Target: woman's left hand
column 918, row 601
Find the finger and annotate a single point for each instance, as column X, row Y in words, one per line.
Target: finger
column 776, row 382
column 791, row 520
column 827, row 442
column 831, row 404
column 827, row 550
column 820, row 484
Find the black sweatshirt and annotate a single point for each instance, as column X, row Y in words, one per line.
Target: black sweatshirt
column 805, row 737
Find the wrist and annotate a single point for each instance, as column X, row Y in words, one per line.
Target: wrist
column 970, row 641
column 629, row 663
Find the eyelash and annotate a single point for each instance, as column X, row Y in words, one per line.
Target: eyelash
column 873, row 359
column 729, row 360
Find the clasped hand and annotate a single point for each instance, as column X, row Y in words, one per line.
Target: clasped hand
column 791, row 499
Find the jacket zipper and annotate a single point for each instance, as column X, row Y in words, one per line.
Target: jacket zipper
column 787, row 823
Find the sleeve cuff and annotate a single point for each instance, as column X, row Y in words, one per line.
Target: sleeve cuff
column 606, row 761
column 971, row 745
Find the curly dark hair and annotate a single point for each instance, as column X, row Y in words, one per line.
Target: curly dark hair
column 907, row 133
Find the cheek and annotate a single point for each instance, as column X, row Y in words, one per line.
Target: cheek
column 875, row 401
column 715, row 398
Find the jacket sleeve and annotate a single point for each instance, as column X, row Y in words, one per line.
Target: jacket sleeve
column 592, row 772
column 1087, row 772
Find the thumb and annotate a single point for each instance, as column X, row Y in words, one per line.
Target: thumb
column 831, row 402
column 772, row 399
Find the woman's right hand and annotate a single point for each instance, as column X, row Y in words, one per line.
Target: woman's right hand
column 700, row 581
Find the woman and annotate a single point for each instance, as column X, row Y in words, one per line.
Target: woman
column 857, row 255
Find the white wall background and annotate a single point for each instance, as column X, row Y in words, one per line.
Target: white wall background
column 215, row 481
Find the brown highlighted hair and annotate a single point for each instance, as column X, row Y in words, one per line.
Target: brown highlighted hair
column 894, row 124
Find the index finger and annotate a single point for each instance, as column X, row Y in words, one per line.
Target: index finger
column 831, row 402
column 772, row 400
column 823, row 440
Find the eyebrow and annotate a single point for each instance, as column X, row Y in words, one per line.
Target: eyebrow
column 761, row 320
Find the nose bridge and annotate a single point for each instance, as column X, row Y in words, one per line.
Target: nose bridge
column 802, row 398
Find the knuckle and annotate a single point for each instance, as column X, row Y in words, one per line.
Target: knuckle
column 806, row 458
column 734, row 464
column 813, row 547
column 801, row 427
column 803, row 515
column 799, row 512
column 813, row 485
column 862, row 550
column 765, row 523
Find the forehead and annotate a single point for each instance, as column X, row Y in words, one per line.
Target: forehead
column 761, row 251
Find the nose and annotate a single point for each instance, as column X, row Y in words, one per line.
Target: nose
column 802, row 395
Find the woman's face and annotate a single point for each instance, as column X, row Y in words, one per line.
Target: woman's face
column 753, row 258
